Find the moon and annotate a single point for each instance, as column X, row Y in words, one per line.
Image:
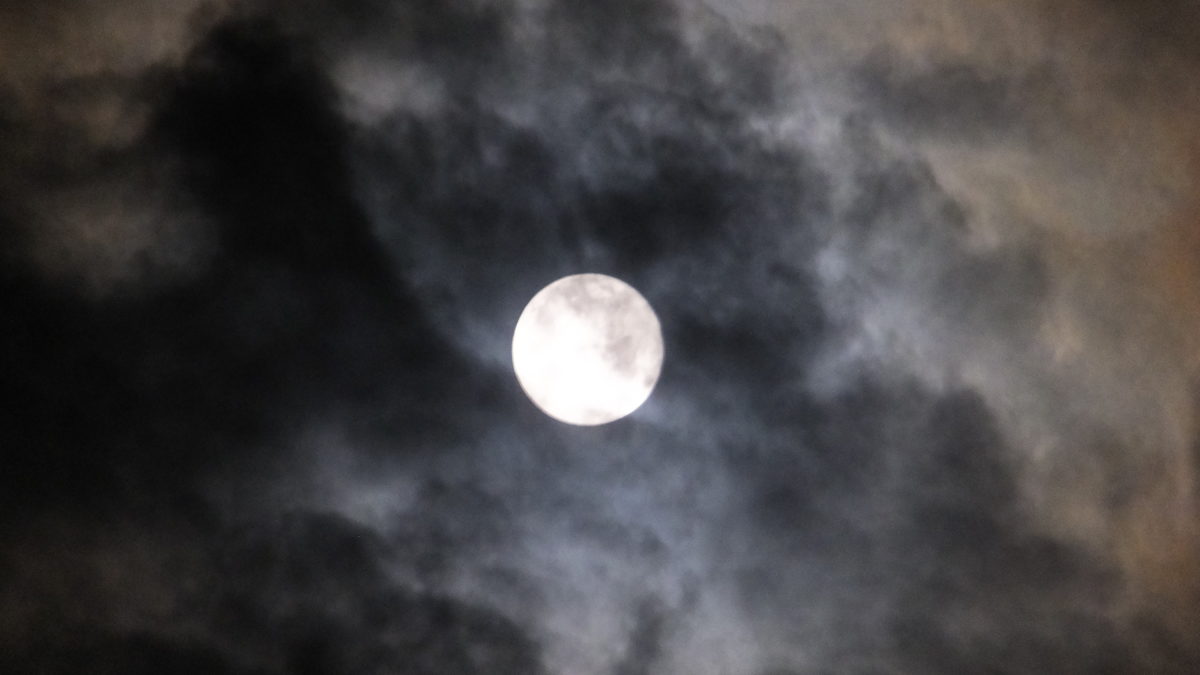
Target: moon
column 588, row 349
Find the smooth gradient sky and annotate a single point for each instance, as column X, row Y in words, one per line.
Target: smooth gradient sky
column 928, row 274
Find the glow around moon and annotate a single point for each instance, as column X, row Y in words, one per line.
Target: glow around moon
column 588, row 349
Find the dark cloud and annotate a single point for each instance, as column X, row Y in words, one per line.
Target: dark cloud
column 304, row 593
column 1159, row 27
column 263, row 148
column 645, row 641
column 124, row 655
column 956, row 99
column 958, row 578
column 315, row 586
column 259, row 278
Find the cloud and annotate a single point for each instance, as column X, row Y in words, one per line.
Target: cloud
column 929, row 394
column 305, row 593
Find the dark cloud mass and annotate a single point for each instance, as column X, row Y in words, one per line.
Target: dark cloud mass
column 927, row 275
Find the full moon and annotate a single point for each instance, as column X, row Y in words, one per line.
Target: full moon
column 588, row 349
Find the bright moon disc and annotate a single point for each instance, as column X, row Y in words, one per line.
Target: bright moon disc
column 588, row 349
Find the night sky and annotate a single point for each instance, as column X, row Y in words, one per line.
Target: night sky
column 928, row 275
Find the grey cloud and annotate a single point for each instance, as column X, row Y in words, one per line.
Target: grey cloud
column 956, row 100
column 838, row 472
column 645, row 640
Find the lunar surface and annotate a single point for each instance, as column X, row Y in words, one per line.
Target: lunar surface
column 588, row 349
